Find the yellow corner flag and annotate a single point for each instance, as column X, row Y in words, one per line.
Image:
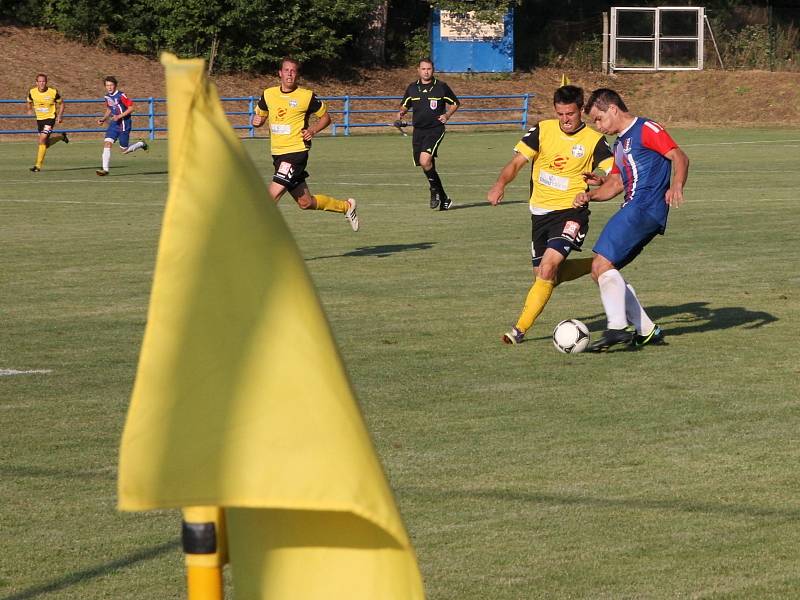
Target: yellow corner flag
column 564, row 79
column 241, row 399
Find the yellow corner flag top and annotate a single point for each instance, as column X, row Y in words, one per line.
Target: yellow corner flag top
column 564, row 79
column 241, row 400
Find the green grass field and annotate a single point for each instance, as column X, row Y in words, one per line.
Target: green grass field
column 521, row 472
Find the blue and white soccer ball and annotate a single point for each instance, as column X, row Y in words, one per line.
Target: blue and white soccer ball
column 571, row 336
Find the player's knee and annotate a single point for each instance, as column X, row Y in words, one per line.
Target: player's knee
column 598, row 268
column 426, row 163
column 306, row 203
column 547, row 271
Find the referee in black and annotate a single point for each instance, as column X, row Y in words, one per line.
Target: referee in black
column 433, row 103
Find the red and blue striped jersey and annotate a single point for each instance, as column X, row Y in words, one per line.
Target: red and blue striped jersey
column 118, row 103
column 639, row 160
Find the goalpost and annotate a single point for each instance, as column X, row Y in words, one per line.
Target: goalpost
column 664, row 38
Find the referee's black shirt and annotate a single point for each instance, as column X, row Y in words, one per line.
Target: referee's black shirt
column 428, row 101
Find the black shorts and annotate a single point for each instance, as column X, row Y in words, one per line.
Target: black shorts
column 561, row 230
column 290, row 169
column 426, row 140
column 45, row 125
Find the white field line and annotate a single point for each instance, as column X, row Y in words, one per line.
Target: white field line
column 9, row 372
column 160, row 181
column 31, row 201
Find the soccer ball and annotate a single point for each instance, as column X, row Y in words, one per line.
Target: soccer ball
column 570, row 336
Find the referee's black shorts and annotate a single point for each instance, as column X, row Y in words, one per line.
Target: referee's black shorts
column 426, row 140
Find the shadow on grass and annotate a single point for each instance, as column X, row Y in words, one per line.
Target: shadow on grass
column 92, row 169
column 100, row 570
column 381, row 251
column 692, row 317
column 459, row 206
column 676, row 504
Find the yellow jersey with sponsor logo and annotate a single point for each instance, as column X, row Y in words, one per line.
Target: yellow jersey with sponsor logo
column 288, row 114
column 559, row 160
column 44, row 103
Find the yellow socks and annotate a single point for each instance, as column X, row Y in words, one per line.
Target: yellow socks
column 572, row 269
column 538, row 296
column 331, row 204
column 40, row 155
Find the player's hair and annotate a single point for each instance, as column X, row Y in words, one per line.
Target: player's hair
column 41, row 75
column 286, row 59
column 602, row 98
column 426, row 59
column 110, row 79
column 569, row 94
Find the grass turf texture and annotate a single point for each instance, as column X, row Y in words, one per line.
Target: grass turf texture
column 521, row 472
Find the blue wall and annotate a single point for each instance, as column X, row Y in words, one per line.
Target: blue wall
column 478, row 56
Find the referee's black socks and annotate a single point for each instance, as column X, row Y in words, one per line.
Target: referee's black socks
column 434, row 181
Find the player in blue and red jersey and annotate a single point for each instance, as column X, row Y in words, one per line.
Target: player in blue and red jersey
column 651, row 169
column 119, row 108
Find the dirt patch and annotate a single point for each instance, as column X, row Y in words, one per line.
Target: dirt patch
column 692, row 99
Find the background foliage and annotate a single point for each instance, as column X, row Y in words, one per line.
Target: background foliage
column 252, row 35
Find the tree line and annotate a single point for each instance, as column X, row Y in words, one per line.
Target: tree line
column 333, row 36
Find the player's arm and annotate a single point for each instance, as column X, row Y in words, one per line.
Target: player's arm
column 60, row 102
column 105, row 116
column 128, row 104
column 656, row 138
column 609, row 188
column 318, row 109
column 261, row 112
column 603, row 161
column 312, row 130
column 680, row 172
column 29, row 100
column 507, row 175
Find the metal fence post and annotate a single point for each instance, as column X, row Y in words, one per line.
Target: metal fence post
column 251, row 112
column 151, row 104
column 347, row 115
column 525, row 111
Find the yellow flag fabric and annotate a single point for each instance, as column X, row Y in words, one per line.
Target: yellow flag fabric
column 241, row 399
column 564, row 79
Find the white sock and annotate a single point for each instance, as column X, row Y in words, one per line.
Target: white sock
column 612, row 293
column 106, row 158
column 134, row 147
column 635, row 313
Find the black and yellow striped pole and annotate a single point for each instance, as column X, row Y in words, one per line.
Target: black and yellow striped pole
column 206, row 549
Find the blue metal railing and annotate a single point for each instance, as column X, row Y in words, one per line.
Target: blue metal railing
column 356, row 111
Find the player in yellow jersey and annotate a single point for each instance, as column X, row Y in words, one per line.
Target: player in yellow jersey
column 288, row 107
column 563, row 152
column 47, row 105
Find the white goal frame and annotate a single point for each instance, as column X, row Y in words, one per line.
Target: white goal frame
column 655, row 38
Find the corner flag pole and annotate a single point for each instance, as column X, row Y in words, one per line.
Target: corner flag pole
column 205, row 545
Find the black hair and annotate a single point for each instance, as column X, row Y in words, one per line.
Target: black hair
column 110, row 78
column 569, row 94
column 602, row 98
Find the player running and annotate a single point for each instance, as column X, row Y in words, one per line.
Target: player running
column 562, row 151
column 288, row 107
column 120, row 108
column 47, row 105
column 645, row 156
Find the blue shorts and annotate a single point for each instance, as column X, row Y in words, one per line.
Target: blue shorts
column 625, row 235
column 119, row 131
